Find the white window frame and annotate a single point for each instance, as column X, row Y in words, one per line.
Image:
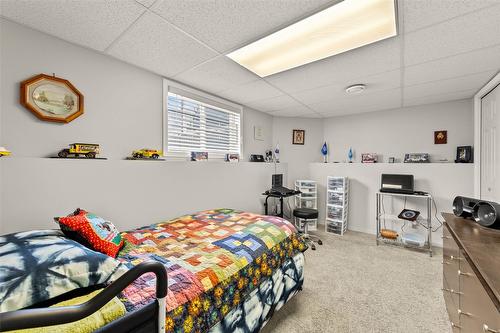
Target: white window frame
column 169, row 85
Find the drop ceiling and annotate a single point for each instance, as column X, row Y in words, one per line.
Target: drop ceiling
column 446, row 49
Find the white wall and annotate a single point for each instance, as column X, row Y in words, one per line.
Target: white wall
column 443, row 180
column 129, row 193
column 298, row 157
column 123, row 111
column 252, row 118
column 123, row 104
column 392, row 133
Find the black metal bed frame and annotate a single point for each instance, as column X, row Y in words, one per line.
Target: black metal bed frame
column 149, row 318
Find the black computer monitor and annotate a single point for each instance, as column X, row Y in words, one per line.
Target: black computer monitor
column 277, row 180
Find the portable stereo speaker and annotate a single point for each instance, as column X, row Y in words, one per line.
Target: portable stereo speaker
column 463, row 206
column 487, row 214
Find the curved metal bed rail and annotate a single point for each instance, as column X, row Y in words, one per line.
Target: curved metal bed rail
column 30, row 318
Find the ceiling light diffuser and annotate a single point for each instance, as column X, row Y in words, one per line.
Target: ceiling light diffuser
column 342, row 27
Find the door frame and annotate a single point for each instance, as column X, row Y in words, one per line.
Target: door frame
column 495, row 81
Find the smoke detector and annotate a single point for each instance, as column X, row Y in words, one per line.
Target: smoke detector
column 355, row 89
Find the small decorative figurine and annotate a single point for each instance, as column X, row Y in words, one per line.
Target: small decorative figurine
column 350, row 155
column 4, row 152
column 146, row 153
column 269, row 155
column 76, row 150
column 324, row 152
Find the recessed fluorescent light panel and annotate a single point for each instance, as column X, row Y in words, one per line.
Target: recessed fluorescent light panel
column 342, row 27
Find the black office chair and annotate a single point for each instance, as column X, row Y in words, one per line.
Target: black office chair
column 307, row 214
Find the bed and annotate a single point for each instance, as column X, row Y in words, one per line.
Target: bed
column 226, row 271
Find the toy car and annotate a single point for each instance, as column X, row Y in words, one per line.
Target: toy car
column 4, row 152
column 89, row 150
column 147, row 153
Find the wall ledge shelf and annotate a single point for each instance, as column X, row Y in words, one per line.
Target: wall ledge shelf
column 393, row 164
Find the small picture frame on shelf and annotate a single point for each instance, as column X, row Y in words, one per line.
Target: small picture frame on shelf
column 232, row 158
column 417, row 158
column 199, row 156
column 369, row 158
column 464, row 154
column 392, row 160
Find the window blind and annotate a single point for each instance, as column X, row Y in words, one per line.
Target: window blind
column 194, row 125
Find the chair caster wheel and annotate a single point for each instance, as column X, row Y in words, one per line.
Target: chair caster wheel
column 320, row 242
column 313, row 247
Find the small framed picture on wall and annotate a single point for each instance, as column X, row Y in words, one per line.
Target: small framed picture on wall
column 298, row 137
column 440, row 137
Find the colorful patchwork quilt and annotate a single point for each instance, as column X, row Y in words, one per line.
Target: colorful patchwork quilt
column 214, row 258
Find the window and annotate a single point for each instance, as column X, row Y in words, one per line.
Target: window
column 198, row 122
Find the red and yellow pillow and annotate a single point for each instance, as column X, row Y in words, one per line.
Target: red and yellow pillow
column 92, row 231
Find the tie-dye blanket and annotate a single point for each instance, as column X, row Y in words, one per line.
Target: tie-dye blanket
column 214, row 258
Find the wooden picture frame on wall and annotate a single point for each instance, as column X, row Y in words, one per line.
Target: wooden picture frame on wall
column 440, row 137
column 51, row 98
column 298, row 137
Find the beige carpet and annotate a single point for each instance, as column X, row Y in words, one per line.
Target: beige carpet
column 352, row 285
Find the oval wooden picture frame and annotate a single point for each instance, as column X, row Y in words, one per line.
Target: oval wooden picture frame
column 47, row 104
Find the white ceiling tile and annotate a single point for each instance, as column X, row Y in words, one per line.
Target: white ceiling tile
column 216, row 75
column 467, row 82
column 154, row 44
column 310, row 115
column 94, row 24
column 228, row 24
column 456, row 95
column 294, row 112
column 389, row 104
column 249, row 92
column 275, row 103
column 360, row 103
column 422, row 13
column 374, row 83
column 375, row 58
column 462, row 64
column 146, row 3
column 462, row 34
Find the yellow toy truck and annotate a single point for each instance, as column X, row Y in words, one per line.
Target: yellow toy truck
column 4, row 152
column 89, row 150
column 147, row 153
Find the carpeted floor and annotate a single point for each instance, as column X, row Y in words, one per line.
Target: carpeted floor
column 352, row 285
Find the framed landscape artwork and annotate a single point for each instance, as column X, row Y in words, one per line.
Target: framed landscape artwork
column 51, row 98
